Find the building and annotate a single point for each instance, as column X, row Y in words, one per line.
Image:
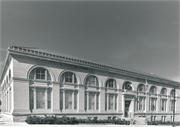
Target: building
column 38, row 82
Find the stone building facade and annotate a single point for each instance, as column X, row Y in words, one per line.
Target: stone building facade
column 38, row 82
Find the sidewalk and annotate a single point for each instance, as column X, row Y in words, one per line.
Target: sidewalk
column 5, row 122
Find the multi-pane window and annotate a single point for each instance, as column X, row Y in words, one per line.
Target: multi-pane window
column 153, row 104
column 40, row 96
column 172, row 105
column 68, row 77
column 115, row 102
column 141, row 88
column 127, row 86
column 68, row 100
column 163, row 104
column 164, row 91
column 106, row 102
column 111, row 83
column 141, row 103
column 92, row 81
column 153, row 90
column 40, row 73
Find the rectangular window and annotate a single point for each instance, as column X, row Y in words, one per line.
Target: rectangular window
column 40, row 98
column 97, row 101
column 91, row 101
column 49, row 99
column 153, row 104
column 115, row 102
column 75, row 100
column 106, row 102
column 61, row 100
column 172, row 105
column 163, row 104
column 110, row 102
column 69, row 77
column 144, row 103
column 85, row 101
column 31, row 99
column 140, row 103
column 68, row 100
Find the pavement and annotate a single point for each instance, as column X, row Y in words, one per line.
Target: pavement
column 4, row 121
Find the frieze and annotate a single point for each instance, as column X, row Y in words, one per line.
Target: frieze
column 89, row 64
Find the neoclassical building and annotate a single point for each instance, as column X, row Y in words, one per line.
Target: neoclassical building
column 38, row 82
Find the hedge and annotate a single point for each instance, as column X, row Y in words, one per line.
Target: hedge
column 72, row 120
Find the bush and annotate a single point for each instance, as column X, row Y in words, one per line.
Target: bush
column 72, row 120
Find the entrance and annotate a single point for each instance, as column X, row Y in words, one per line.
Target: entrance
column 127, row 104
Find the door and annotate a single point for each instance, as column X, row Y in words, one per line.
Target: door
column 127, row 103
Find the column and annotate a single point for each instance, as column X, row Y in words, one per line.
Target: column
column 64, row 92
column 102, row 100
column 147, row 103
column 55, row 98
column 168, row 105
column 114, row 101
column 81, row 99
column 119, row 101
column 87, row 100
column 132, row 112
column 73, row 100
column 95, row 100
column 46, row 96
column 123, row 105
column 35, row 98
column 107, row 101
column 158, row 105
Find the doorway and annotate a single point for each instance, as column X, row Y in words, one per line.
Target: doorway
column 127, row 104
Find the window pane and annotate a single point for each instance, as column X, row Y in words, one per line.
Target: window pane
column 91, row 101
column 38, row 76
column 61, row 100
column 68, row 100
column 111, row 102
column 75, row 100
column 97, row 101
column 31, row 99
column 41, row 99
column 49, row 99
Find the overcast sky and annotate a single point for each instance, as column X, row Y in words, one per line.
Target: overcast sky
column 139, row 35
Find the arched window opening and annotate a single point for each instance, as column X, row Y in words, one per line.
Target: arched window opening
column 68, row 77
column 92, row 81
column 111, row 83
column 172, row 93
column 141, row 88
column 127, row 86
column 153, row 90
column 40, row 73
column 164, row 91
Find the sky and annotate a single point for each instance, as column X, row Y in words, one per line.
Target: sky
column 137, row 35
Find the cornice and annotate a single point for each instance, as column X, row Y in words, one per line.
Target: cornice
column 79, row 62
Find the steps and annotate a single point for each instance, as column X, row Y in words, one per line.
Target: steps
column 140, row 121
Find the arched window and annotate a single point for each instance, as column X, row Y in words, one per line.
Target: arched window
column 141, row 88
column 68, row 77
column 153, row 99
column 40, row 73
column 172, row 101
column 172, row 93
column 164, row 91
column 163, row 99
column 153, row 90
column 111, row 83
column 92, row 81
column 127, row 86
